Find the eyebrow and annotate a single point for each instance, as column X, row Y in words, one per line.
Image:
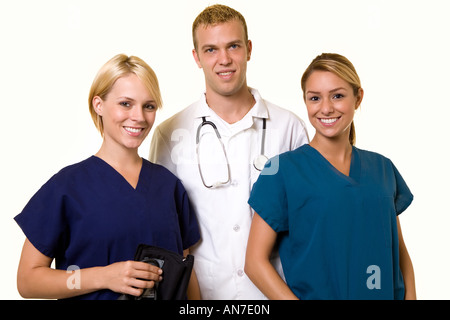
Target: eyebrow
column 131, row 99
column 237, row 41
column 331, row 91
column 126, row 98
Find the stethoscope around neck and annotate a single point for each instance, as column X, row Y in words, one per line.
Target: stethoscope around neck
column 258, row 163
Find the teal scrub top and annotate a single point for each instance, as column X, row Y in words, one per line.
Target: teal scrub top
column 338, row 234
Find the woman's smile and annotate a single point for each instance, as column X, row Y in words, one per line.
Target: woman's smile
column 329, row 121
column 133, row 131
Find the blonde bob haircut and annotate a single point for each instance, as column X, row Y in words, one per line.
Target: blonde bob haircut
column 340, row 66
column 217, row 14
column 119, row 66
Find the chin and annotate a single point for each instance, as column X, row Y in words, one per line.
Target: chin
column 132, row 145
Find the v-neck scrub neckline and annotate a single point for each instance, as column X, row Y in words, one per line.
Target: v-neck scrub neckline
column 120, row 178
column 355, row 164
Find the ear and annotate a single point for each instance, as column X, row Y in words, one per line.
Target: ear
column 196, row 58
column 359, row 98
column 249, row 49
column 97, row 102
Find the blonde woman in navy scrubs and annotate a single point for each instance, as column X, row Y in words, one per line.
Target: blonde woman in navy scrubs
column 333, row 206
column 92, row 215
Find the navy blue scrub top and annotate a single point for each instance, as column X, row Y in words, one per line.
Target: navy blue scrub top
column 338, row 233
column 88, row 215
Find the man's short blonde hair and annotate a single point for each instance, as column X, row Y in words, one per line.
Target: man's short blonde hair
column 217, row 14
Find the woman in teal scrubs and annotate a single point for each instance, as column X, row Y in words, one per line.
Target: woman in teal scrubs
column 332, row 207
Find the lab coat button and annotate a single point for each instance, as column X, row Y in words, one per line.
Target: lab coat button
column 240, row 272
column 234, row 182
column 236, row 227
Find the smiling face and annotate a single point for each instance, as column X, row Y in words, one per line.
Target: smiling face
column 128, row 112
column 331, row 104
column 223, row 52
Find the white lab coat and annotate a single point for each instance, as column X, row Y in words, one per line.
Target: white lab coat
column 223, row 213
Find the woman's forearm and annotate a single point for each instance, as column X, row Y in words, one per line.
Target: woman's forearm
column 47, row 283
column 257, row 264
column 266, row 278
column 36, row 279
column 406, row 267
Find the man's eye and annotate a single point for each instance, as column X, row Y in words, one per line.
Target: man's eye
column 209, row 50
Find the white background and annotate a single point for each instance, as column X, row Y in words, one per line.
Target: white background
column 51, row 51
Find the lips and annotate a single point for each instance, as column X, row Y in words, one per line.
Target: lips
column 133, row 131
column 328, row 121
column 225, row 74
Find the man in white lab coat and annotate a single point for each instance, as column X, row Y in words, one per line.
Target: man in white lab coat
column 217, row 147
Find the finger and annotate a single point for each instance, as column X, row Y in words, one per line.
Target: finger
column 147, row 275
column 142, row 284
column 133, row 291
column 147, row 267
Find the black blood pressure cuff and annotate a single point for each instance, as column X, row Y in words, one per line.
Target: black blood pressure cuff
column 176, row 273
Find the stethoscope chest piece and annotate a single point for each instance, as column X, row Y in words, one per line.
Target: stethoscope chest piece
column 260, row 161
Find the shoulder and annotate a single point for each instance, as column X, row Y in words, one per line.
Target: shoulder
column 371, row 157
column 158, row 169
column 282, row 114
column 160, row 172
column 288, row 124
column 285, row 160
column 299, row 153
column 376, row 163
column 66, row 181
column 74, row 171
column 275, row 112
column 181, row 119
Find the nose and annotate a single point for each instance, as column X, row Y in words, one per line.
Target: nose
column 327, row 107
column 224, row 57
column 137, row 113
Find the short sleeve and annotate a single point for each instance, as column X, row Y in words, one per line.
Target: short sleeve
column 268, row 198
column 42, row 219
column 403, row 196
column 187, row 219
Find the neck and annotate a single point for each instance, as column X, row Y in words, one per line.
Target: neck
column 231, row 108
column 337, row 151
column 118, row 157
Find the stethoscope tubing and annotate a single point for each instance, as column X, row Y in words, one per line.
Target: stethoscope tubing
column 258, row 163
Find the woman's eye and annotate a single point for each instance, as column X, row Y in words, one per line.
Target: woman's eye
column 124, row 104
column 314, row 98
column 150, row 107
column 338, row 96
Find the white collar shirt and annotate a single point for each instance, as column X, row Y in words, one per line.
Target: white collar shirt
column 223, row 212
